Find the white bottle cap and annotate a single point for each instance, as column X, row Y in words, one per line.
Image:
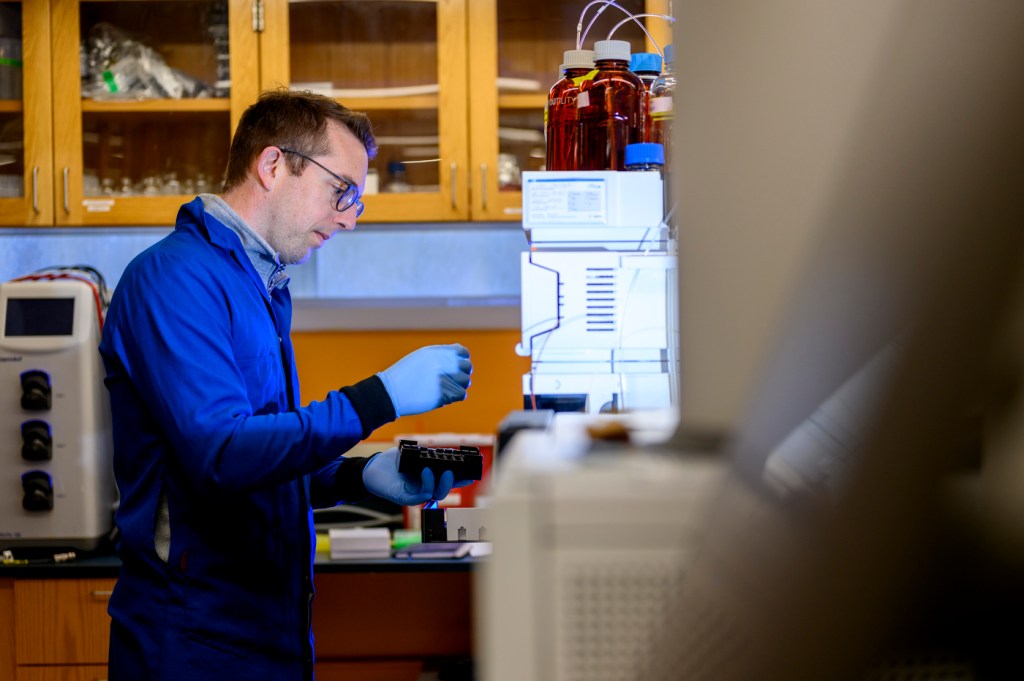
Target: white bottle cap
column 577, row 59
column 611, row 49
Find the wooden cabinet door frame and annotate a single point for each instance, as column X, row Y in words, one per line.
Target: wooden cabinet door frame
column 486, row 201
column 67, row 182
column 35, row 206
column 451, row 201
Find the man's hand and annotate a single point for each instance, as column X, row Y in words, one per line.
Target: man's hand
column 381, row 477
column 428, row 378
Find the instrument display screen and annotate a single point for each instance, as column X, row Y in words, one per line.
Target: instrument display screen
column 39, row 317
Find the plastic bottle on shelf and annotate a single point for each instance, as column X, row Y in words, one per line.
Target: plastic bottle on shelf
column 610, row 108
column 561, row 117
column 661, row 108
column 645, row 156
column 397, row 182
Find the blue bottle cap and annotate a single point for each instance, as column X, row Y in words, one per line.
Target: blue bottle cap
column 645, row 61
column 641, row 153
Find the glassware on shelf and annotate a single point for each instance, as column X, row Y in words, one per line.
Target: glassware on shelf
column 171, row 184
column 509, row 175
column 398, row 182
column 151, row 185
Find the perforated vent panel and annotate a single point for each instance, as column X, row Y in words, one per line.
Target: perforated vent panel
column 601, row 292
column 607, row 613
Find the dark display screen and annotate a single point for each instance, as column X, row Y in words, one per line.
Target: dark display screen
column 39, row 316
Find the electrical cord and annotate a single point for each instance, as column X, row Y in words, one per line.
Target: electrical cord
column 83, row 273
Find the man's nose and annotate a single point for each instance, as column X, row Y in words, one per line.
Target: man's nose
column 345, row 222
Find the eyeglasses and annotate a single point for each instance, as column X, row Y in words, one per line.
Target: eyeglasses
column 348, row 192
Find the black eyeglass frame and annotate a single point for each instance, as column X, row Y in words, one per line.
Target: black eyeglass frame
column 349, row 196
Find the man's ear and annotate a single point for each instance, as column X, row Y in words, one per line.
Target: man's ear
column 270, row 166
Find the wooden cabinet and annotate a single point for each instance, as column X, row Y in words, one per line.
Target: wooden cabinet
column 515, row 50
column 123, row 160
column 404, row 64
column 75, row 673
column 369, row 625
column 61, row 629
column 456, row 90
column 125, row 154
column 26, row 115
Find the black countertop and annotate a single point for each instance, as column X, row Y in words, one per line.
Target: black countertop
column 108, row 566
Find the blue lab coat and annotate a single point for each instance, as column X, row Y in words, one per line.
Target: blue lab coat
column 204, row 396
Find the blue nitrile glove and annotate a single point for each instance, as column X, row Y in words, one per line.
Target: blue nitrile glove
column 381, row 477
column 428, row 378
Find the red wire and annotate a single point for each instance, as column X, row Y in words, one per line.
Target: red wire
column 76, row 277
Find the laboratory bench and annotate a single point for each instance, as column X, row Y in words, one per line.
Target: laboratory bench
column 368, row 618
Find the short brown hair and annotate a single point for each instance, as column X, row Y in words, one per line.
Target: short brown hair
column 294, row 119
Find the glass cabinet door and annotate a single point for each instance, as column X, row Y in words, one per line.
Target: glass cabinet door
column 146, row 96
column 26, row 155
column 512, row 67
column 402, row 62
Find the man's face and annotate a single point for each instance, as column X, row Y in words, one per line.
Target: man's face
column 305, row 217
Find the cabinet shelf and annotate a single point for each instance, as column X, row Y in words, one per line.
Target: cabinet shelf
column 156, row 105
column 426, row 102
column 535, row 101
column 10, row 106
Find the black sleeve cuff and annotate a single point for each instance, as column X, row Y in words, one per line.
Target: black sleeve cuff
column 372, row 403
column 349, row 479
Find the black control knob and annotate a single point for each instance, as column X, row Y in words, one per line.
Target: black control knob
column 37, row 442
column 36, row 394
column 38, row 491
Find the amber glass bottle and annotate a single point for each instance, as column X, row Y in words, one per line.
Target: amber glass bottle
column 610, row 108
column 661, row 106
column 647, row 67
column 561, row 117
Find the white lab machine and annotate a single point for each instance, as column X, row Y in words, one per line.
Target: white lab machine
column 591, row 548
column 598, row 292
column 54, row 416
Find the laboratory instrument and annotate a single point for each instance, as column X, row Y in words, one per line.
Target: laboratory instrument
column 598, row 292
column 54, row 414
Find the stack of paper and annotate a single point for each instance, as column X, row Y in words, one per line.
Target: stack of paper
column 360, row 542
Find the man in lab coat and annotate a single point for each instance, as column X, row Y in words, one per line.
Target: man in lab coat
column 217, row 464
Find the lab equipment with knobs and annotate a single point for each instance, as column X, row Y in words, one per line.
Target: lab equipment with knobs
column 54, row 416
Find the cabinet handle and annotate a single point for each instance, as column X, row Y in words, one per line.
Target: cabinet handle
column 101, row 594
column 257, row 16
column 483, row 186
column 455, row 204
column 67, row 199
column 35, row 188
